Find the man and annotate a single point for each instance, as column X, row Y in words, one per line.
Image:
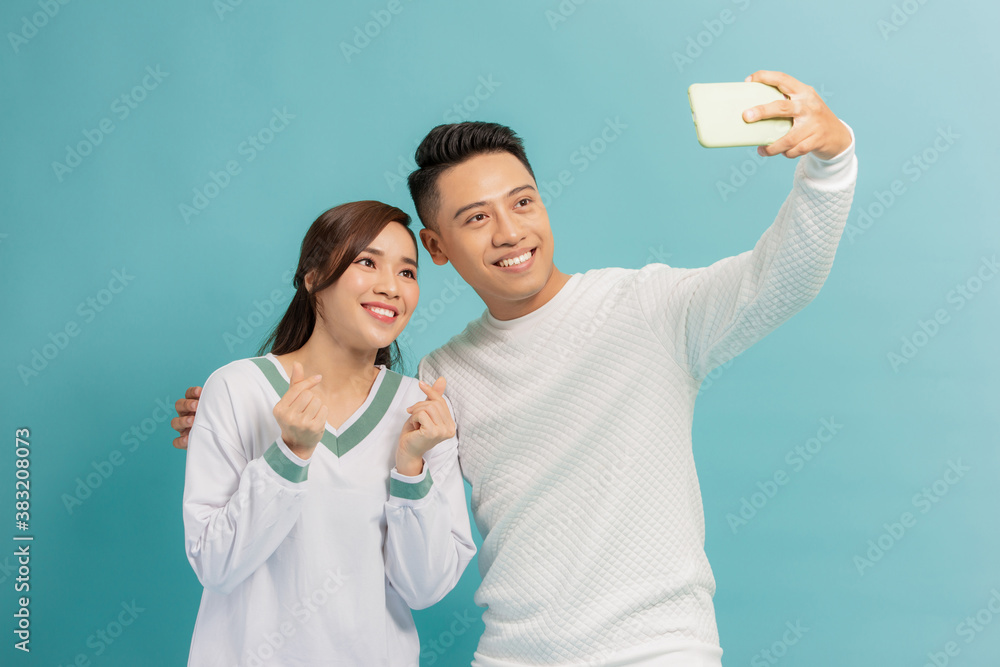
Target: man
column 574, row 394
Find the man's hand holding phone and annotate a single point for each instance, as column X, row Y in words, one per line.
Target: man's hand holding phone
column 815, row 129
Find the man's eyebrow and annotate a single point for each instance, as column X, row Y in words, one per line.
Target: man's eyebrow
column 482, row 203
column 379, row 253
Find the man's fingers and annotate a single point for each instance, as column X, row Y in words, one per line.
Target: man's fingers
column 182, row 424
column 776, row 109
column 801, row 148
column 784, row 143
column 787, row 84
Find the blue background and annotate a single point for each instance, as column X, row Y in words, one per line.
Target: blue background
column 901, row 75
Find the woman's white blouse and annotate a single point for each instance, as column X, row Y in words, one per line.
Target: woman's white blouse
column 318, row 561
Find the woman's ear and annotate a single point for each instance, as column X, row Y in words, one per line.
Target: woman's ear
column 308, row 279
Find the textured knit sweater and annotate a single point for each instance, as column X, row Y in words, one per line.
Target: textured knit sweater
column 574, row 428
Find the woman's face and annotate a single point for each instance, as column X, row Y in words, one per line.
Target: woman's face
column 370, row 304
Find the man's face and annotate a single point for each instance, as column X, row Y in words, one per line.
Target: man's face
column 490, row 210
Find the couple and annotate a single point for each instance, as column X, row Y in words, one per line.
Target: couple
column 573, row 397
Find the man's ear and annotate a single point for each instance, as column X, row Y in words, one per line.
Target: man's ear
column 434, row 245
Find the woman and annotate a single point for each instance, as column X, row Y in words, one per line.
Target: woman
column 322, row 496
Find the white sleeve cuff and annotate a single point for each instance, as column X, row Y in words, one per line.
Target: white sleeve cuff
column 294, row 458
column 836, row 173
column 410, row 479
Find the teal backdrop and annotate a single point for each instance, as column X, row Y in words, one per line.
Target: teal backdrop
column 162, row 161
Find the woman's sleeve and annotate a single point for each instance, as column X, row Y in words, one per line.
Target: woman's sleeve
column 236, row 511
column 428, row 536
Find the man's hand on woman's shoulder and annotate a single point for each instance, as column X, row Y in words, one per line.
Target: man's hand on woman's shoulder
column 186, row 407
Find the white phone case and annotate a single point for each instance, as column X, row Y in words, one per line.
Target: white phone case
column 717, row 110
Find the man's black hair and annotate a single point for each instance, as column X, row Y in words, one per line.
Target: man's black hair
column 448, row 145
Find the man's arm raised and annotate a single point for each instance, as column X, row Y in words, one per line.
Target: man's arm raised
column 707, row 316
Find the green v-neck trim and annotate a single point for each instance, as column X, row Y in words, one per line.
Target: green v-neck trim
column 362, row 426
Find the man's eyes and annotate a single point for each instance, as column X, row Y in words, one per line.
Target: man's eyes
column 480, row 216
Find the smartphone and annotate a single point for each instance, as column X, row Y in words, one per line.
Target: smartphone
column 717, row 110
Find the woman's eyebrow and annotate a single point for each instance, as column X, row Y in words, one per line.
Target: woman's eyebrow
column 379, row 253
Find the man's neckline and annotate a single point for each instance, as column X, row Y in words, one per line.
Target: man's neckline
column 547, row 307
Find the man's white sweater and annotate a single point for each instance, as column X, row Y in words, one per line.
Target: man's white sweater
column 574, row 427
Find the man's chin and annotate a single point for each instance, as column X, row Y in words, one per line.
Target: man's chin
column 519, row 289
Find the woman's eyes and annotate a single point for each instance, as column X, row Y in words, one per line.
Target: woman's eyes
column 369, row 259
